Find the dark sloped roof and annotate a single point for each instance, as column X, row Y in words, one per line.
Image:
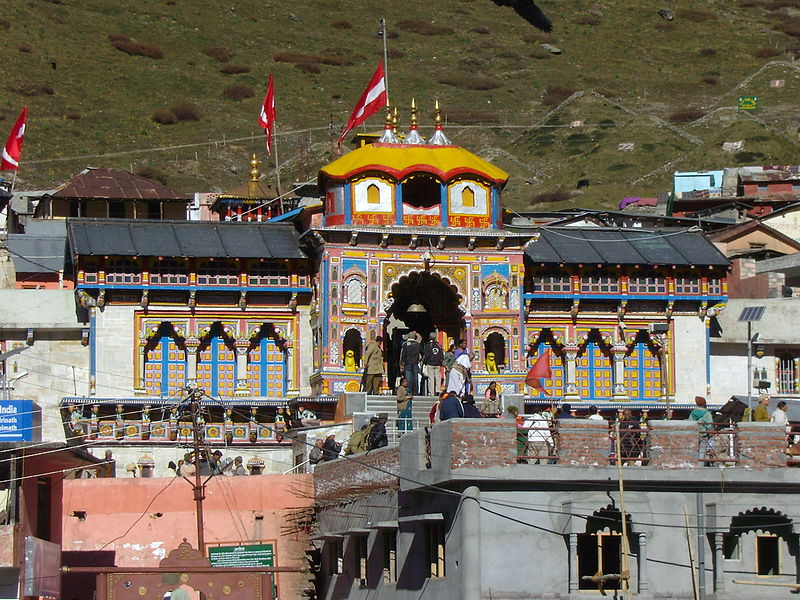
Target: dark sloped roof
column 122, row 237
column 115, row 184
column 570, row 245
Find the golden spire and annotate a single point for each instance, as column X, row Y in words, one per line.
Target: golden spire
column 413, row 113
column 395, row 119
column 438, row 114
column 387, row 124
column 255, row 175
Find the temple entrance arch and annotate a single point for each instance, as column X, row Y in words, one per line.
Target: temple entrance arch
column 424, row 302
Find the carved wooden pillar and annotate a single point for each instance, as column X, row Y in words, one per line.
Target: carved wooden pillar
column 141, row 355
column 618, row 357
column 570, row 355
column 242, row 345
column 192, row 346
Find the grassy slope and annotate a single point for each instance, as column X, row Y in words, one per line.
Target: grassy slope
column 643, row 72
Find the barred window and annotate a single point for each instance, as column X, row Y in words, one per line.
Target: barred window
column 714, row 285
column 689, row 286
column 558, row 283
column 123, row 271
column 268, row 275
column 647, row 285
column 169, row 272
column 217, row 273
column 599, row 283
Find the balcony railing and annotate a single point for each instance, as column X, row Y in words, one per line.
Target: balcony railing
column 171, row 431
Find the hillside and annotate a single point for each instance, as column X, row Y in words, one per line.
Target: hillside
column 95, row 75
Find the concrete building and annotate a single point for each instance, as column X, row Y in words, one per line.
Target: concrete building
column 451, row 513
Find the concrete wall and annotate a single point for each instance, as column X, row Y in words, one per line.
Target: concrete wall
column 116, row 347
column 689, row 357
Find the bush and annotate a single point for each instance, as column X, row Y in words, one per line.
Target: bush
column 666, row 26
column 5, row 24
column 790, row 27
column 423, row 27
column 469, row 81
column 218, row 53
column 164, row 116
column 557, row 195
column 482, row 30
column 309, row 67
column 342, row 24
column 128, row 46
column 395, row 53
column 694, row 16
column 152, row 174
column 73, row 116
column 591, row 20
column 748, row 157
column 539, row 37
column 25, row 48
column 707, row 52
column 556, row 94
column 238, row 91
column 767, row 53
column 685, row 115
column 710, row 80
column 33, row 89
column 541, row 54
column 510, row 54
column 185, row 111
column 234, row 69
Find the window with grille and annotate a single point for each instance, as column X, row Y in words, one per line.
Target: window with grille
column 714, row 285
column 599, row 283
column 599, row 553
column 169, row 272
column 787, row 372
column 217, row 273
column 688, row 286
column 335, row 556
column 90, row 272
column 556, row 283
column 434, row 549
column 268, row 275
column 123, row 271
column 647, row 285
column 360, row 559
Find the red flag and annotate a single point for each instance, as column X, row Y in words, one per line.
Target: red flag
column 371, row 101
column 540, row 370
column 266, row 119
column 13, row 148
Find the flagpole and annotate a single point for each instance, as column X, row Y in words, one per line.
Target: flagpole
column 277, row 163
column 385, row 60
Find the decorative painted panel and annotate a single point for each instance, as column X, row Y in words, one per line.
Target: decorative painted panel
column 373, row 196
column 266, row 370
column 642, row 374
column 216, row 368
column 593, row 373
column 165, row 368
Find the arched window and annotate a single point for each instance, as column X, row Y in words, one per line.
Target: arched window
column 352, row 342
column 216, row 362
column 218, row 272
column 495, row 344
column 468, row 198
column 496, row 296
column 355, row 290
column 373, row 194
column 266, row 365
column 123, row 271
column 170, row 272
column 165, row 362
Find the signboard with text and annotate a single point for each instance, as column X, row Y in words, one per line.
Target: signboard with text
column 748, row 103
column 252, row 555
column 16, row 421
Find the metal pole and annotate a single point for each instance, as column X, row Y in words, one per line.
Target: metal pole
column 385, row 60
column 749, row 369
column 625, row 569
column 701, row 546
column 198, row 487
column 277, row 162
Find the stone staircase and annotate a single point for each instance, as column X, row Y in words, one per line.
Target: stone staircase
column 420, row 408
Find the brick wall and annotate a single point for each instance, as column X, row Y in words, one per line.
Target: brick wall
column 354, row 475
column 480, row 443
column 583, row 443
column 674, row 444
column 761, row 445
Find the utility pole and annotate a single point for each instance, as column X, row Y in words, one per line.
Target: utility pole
column 199, row 486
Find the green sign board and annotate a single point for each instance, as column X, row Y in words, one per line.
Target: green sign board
column 256, row 555
column 748, row 103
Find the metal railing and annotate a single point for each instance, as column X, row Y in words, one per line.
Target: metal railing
column 538, row 444
column 634, row 443
column 719, row 446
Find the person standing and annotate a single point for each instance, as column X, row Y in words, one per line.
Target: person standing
column 432, row 359
column 404, row 410
column 373, row 366
column 761, row 413
column 238, row 467
column 409, row 361
column 460, row 375
column 705, row 422
column 594, row 414
column 539, row 442
column 448, row 361
column 315, row 454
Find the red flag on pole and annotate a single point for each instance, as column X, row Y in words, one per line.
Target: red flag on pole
column 540, row 370
column 371, row 101
column 266, row 119
column 13, row 148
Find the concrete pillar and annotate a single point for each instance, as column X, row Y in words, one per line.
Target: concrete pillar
column 573, row 563
column 570, row 385
column 470, row 518
column 618, row 358
column 292, row 389
column 644, row 585
column 719, row 571
column 241, row 346
column 192, row 345
column 140, row 368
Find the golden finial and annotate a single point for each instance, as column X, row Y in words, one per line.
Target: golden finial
column 255, row 174
column 395, row 119
column 438, row 113
column 388, row 121
column 413, row 112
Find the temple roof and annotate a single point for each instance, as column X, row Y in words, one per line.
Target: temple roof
column 123, row 237
column 399, row 160
column 596, row 245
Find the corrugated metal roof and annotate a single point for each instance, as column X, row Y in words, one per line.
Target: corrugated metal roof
column 570, row 245
column 122, row 237
column 117, row 185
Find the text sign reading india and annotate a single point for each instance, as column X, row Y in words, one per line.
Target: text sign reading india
column 256, row 555
column 16, row 420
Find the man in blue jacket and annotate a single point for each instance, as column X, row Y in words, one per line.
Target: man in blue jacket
column 451, row 407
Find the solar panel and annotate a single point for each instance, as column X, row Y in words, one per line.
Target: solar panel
column 752, row 313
